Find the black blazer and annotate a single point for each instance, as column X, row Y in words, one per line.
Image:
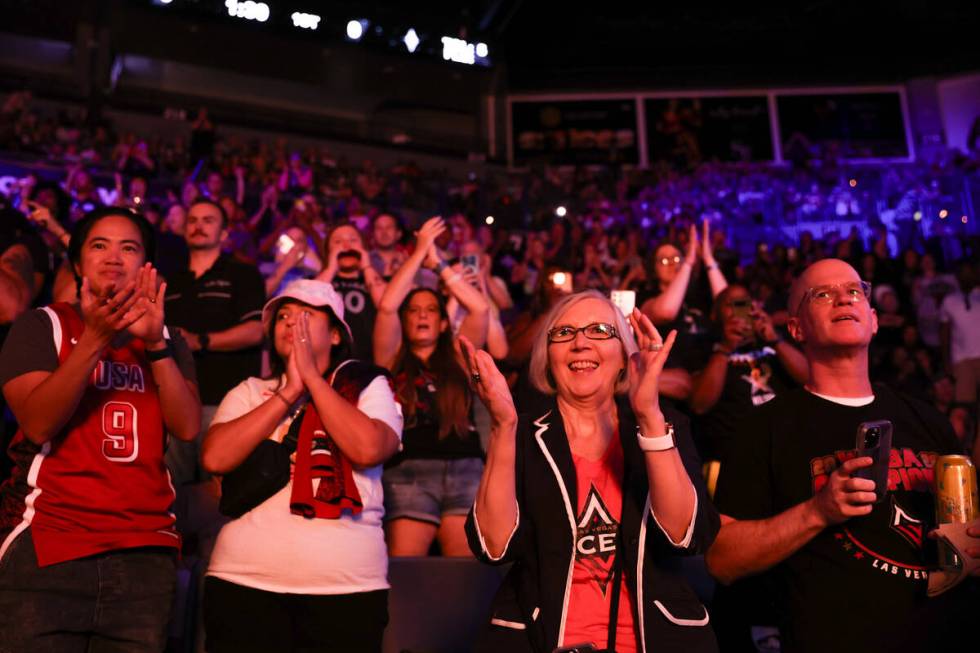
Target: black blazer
column 529, row 610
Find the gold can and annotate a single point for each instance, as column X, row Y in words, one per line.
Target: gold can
column 956, row 499
column 956, row 490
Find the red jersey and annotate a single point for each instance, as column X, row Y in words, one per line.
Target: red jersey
column 100, row 484
column 600, row 504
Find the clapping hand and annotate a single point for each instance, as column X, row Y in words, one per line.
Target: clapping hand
column 149, row 326
column 302, row 355
column 707, row 253
column 426, row 236
column 646, row 366
column 106, row 314
column 691, row 256
column 488, row 383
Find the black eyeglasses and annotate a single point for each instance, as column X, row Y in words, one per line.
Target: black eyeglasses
column 594, row 331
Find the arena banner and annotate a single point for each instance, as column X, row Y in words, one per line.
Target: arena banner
column 573, row 131
column 867, row 125
column 687, row 131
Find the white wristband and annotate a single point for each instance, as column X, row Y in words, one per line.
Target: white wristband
column 661, row 443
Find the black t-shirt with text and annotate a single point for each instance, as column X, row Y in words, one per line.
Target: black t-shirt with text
column 860, row 585
column 359, row 313
column 754, row 376
column 229, row 293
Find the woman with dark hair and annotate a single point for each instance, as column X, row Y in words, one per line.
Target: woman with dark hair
column 430, row 485
column 87, row 539
column 306, row 568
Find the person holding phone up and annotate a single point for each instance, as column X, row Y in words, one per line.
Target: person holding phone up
column 848, row 573
column 749, row 365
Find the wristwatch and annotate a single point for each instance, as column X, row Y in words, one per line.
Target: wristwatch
column 205, row 341
column 661, row 443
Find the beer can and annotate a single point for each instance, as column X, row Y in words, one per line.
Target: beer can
column 956, row 498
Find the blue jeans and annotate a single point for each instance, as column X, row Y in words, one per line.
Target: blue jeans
column 114, row 602
column 425, row 489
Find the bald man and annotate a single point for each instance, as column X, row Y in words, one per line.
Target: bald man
column 848, row 574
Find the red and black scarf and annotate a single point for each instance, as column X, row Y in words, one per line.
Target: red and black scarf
column 319, row 457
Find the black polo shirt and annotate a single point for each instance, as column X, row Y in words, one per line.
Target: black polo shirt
column 228, row 294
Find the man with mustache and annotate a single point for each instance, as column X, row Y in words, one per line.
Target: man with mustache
column 217, row 303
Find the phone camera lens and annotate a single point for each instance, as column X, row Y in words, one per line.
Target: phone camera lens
column 872, row 437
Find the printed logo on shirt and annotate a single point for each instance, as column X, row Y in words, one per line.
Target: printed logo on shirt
column 907, row 469
column 760, row 371
column 907, row 526
column 118, row 376
column 354, row 302
column 595, row 541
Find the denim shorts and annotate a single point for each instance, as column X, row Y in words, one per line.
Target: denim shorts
column 427, row 489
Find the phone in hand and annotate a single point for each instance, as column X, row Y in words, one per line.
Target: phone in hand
column 874, row 439
column 470, row 262
column 625, row 300
column 562, row 281
column 285, row 244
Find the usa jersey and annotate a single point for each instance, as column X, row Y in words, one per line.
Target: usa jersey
column 100, row 484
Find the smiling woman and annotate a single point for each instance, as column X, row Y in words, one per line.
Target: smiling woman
column 95, row 386
column 589, row 492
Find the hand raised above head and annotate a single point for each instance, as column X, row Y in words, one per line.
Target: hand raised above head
column 647, row 364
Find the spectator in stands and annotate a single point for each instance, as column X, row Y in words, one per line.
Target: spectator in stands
column 202, row 138
column 297, row 177
column 959, row 316
column 216, row 302
column 431, row 483
column 306, row 569
column 750, row 364
column 357, row 282
column 625, row 471
column 793, row 501
column 387, row 255
column 88, row 550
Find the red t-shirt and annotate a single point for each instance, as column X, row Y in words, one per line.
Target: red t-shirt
column 101, row 484
column 600, row 503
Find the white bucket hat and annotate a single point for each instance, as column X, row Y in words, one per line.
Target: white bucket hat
column 311, row 292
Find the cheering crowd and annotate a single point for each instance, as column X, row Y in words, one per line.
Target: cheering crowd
column 279, row 363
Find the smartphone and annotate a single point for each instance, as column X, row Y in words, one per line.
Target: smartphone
column 285, row 244
column 742, row 308
column 562, row 281
column 874, row 439
column 470, row 262
column 625, row 300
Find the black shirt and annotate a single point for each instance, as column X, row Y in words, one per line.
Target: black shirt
column 359, row 313
column 860, row 585
column 228, row 294
column 754, row 376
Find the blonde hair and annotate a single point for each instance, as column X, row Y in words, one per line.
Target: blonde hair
column 540, row 371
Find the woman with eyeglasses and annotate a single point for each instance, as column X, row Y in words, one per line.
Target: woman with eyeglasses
column 590, row 493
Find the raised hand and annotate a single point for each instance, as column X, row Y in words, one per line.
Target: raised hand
column 762, row 324
column 691, row 256
column 149, row 326
column 646, row 366
column 427, row 234
column 106, row 314
column 302, row 350
column 707, row 253
column 844, row 496
column 488, row 383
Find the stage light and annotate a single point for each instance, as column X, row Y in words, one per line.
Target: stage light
column 943, row 214
column 853, row 183
column 162, row 2
column 561, row 211
column 356, row 28
column 917, row 216
column 559, row 278
column 482, row 51
column 489, row 219
column 964, row 219
column 411, row 39
column 306, row 21
column 248, row 10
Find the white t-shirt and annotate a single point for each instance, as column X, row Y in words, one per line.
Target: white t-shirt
column 269, row 548
column 964, row 324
